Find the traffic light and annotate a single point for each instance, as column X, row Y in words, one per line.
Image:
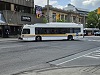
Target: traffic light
column 98, row 12
column 38, row 15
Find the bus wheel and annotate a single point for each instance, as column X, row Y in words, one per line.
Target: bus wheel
column 38, row 38
column 70, row 37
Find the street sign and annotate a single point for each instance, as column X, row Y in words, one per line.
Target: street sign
column 38, row 11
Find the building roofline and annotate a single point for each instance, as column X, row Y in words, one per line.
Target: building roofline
column 82, row 10
column 55, row 9
column 59, row 10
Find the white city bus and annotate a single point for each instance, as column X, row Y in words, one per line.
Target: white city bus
column 52, row 31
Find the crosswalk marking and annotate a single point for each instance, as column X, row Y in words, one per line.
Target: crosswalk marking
column 87, row 39
column 94, row 40
column 95, row 54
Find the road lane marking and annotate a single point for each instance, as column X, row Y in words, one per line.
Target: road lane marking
column 76, row 58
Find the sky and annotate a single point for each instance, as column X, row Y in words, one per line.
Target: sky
column 85, row 4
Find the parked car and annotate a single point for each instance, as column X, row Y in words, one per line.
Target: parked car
column 97, row 33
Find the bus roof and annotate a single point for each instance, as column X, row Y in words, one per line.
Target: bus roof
column 91, row 28
column 54, row 24
column 59, row 23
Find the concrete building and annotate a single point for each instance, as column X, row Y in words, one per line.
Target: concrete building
column 68, row 14
column 82, row 12
column 15, row 13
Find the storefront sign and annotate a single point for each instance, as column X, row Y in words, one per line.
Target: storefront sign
column 26, row 18
column 38, row 9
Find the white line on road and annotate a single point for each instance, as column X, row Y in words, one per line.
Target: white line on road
column 76, row 58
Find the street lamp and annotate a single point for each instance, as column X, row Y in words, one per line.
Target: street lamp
column 91, row 24
column 92, row 28
column 86, row 24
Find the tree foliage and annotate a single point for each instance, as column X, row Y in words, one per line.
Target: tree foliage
column 93, row 20
column 45, row 20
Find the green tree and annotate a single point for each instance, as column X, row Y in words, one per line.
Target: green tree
column 93, row 20
column 45, row 20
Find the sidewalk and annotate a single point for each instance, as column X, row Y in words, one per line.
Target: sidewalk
column 8, row 39
column 66, row 71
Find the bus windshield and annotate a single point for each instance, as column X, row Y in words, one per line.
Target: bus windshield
column 26, row 31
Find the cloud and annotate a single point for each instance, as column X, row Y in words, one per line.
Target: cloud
column 87, row 4
column 53, row 2
column 56, row 4
column 44, row 2
column 40, row 2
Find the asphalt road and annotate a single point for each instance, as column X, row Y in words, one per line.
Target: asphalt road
column 18, row 56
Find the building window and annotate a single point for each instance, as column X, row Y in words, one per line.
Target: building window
column 80, row 20
column 66, row 17
column 23, row 9
column 62, row 17
column 2, row 20
column 54, row 17
column 5, row 6
column 74, row 19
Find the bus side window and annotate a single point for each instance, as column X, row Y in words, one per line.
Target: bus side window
column 45, row 31
column 48, row 31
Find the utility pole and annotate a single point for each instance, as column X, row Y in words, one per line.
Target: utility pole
column 48, row 11
column 84, row 20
